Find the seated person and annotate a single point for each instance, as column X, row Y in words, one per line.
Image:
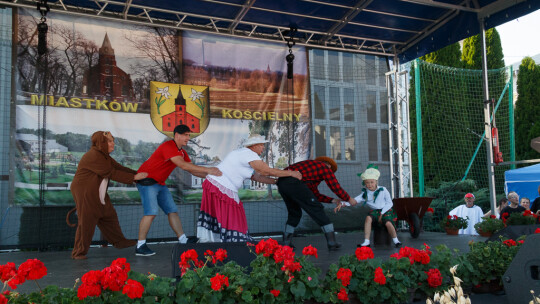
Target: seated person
column 525, row 203
column 378, row 199
column 514, row 206
column 474, row 214
column 503, row 202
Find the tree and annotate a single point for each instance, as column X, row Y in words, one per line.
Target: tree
column 435, row 95
column 472, row 51
column 527, row 108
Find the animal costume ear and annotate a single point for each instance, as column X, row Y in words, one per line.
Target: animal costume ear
column 100, row 140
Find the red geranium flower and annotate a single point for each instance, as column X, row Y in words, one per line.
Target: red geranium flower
column 283, row 253
column 114, row 278
column 310, row 250
column 344, row 274
column 218, row 281
column 434, row 277
column 493, row 216
column 537, row 230
column 275, row 293
column 342, row 295
column 430, row 210
column 88, row 290
column 32, row 269
column 7, row 271
column 220, row 255
column 3, row 299
column 267, row 248
column 364, row 253
column 92, row 277
column 379, row 276
column 133, row 289
column 510, row 243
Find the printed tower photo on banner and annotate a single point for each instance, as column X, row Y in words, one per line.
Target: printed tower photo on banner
column 97, row 77
column 139, row 82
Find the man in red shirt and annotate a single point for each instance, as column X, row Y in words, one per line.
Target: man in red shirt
column 168, row 156
column 304, row 194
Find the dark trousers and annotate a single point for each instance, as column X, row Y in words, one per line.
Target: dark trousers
column 297, row 196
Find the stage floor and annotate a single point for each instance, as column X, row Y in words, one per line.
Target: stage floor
column 63, row 271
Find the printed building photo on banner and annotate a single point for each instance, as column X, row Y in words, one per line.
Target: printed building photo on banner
column 136, row 82
column 98, row 76
column 248, row 82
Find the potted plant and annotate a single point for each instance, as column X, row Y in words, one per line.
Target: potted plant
column 453, row 223
column 486, row 262
column 488, row 226
column 525, row 218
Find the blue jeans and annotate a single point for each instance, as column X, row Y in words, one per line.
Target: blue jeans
column 154, row 196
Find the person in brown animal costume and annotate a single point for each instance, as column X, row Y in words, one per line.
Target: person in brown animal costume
column 89, row 190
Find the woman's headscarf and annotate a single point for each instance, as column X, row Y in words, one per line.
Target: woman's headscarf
column 100, row 140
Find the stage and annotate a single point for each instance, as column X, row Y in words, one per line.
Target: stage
column 63, row 271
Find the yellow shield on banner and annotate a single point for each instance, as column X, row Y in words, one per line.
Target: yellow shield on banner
column 176, row 104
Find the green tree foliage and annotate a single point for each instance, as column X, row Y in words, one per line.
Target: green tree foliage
column 449, row 56
column 472, row 51
column 527, row 109
column 74, row 142
column 452, row 111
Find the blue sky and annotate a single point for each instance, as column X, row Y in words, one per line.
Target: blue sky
column 520, row 38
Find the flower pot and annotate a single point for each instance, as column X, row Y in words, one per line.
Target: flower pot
column 492, row 286
column 484, row 234
column 451, row 231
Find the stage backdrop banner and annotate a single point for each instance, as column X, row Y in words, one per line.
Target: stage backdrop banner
column 134, row 81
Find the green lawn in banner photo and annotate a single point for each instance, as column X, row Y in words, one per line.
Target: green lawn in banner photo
column 30, row 197
column 245, row 195
column 32, row 177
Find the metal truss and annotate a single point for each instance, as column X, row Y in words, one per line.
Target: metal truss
column 149, row 14
column 399, row 133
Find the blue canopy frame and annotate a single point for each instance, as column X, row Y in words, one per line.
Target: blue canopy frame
column 404, row 29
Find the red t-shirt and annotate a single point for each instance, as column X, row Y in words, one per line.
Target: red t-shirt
column 159, row 166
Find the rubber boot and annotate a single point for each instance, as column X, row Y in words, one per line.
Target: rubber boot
column 331, row 242
column 288, row 236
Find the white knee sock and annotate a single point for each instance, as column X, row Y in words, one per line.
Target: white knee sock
column 366, row 243
column 140, row 243
column 395, row 240
column 182, row 239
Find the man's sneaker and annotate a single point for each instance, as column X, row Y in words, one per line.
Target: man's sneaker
column 144, row 251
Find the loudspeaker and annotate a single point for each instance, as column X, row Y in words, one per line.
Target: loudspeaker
column 523, row 274
column 238, row 252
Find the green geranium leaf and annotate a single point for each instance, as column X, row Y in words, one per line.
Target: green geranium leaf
column 247, row 296
column 298, row 289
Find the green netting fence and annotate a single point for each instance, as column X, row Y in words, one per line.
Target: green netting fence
column 452, row 128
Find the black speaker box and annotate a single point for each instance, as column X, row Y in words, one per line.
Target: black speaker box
column 238, row 252
column 523, row 274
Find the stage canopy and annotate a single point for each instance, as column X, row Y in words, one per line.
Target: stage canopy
column 406, row 28
column 524, row 181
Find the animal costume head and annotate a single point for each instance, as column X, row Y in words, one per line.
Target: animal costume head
column 100, row 140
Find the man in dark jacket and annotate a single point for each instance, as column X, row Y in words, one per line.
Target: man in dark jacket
column 304, row 194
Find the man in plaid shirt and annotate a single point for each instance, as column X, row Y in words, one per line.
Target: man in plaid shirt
column 304, row 194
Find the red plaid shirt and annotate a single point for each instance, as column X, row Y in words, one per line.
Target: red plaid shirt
column 313, row 173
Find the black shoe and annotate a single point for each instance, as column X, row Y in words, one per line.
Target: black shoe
column 360, row 245
column 331, row 242
column 144, row 251
column 398, row 244
column 287, row 240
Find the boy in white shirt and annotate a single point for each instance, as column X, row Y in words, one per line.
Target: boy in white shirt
column 379, row 200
